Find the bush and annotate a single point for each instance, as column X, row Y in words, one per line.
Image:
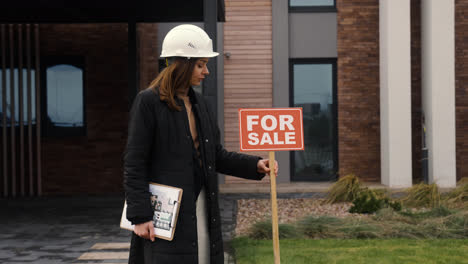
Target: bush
column 344, row 190
column 319, row 227
column 459, row 196
column 369, row 202
column 422, row 195
column 263, row 230
column 361, row 230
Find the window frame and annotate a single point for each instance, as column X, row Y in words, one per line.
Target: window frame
column 333, row 62
column 312, row 9
column 53, row 131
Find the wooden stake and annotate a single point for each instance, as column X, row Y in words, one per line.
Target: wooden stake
column 274, row 208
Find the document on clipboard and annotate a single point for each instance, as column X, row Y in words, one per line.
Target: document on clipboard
column 165, row 202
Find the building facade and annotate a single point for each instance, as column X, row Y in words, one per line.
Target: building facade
column 380, row 82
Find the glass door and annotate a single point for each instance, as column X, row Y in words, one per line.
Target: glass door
column 313, row 87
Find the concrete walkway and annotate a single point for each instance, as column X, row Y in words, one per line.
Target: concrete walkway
column 85, row 229
column 54, row 230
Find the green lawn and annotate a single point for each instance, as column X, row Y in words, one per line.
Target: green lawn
column 383, row 251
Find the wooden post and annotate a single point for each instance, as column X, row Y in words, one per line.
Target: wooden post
column 274, row 208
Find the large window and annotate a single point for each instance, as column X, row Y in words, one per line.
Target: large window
column 312, row 5
column 63, row 97
column 6, row 77
column 313, row 87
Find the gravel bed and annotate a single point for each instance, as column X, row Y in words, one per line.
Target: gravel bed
column 250, row 211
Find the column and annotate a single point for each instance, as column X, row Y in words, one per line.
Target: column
column 395, row 93
column 438, row 88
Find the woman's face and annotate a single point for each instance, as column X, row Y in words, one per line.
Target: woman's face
column 199, row 71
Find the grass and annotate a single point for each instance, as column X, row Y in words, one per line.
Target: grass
column 436, row 232
column 384, row 251
column 439, row 222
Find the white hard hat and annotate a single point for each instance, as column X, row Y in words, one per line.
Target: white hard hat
column 187, row 41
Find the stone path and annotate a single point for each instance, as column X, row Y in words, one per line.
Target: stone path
column 67, row 230
column 86, row 229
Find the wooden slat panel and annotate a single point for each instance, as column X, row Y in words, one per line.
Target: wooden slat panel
column 248, row 8
column 12, row 110
column 4, row 110
column 246, row 3
column 252, row 61
column 247, row 66
column 248, row 72
column 247, row 47
column 249, row 92
column 249, row 18
column 267, row 27
column 248, row 81
column 258, row 76
column 38, row 109
column 249, row 23
column 29, row 102
column 21, row 112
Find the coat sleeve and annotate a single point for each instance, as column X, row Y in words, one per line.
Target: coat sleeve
column 233, row 163
column 137, row 157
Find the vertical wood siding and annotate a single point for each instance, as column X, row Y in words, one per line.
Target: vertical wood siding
column 248, row 72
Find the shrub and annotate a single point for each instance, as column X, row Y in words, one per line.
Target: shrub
column 459, row 196
column 319, row 227
column 344, row 190
column 263, row 230
column 361, row 230
column 422, row 195
column 369, row 202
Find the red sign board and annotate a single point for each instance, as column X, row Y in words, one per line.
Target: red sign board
column 271, row 129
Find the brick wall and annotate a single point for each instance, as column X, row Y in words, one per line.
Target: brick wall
column 91, row 164
column 148, row 40
column 248, row 73
column 358, row 88
column 461, row 86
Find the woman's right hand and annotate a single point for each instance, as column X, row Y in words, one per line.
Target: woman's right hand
column 145, row 230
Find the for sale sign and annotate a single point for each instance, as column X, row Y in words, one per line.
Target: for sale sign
column 271, row 129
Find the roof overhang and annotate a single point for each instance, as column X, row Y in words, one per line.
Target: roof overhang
column 104, row 11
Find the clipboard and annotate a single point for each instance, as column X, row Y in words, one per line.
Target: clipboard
column 165, row 202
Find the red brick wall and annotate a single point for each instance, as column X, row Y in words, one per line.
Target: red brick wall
column 90, row 164
column 148, row 40
column 461, row 86
column 358, row 88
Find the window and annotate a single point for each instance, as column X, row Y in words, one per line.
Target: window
column 63, row 97
column 16, row 104
column 313, row 87
column 312, row 5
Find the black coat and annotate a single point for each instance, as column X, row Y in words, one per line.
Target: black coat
column 159, row 149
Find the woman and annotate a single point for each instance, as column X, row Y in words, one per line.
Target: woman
column 173, row 140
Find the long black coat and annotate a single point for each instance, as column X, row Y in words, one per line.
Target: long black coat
column 159, row 149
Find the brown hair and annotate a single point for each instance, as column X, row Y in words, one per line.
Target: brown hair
column 175, row 77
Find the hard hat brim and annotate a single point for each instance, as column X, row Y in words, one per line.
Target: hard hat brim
column 205, row 55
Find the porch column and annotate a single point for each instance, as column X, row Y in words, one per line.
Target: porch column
column 395, row 93
column 438, row 88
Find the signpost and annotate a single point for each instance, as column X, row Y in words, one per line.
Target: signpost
column 271, row 129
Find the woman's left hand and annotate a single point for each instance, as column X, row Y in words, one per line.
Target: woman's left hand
column 263, row 166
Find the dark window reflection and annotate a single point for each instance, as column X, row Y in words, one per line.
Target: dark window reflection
column 313, row 91
column 65, row 96
column 8, row 105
